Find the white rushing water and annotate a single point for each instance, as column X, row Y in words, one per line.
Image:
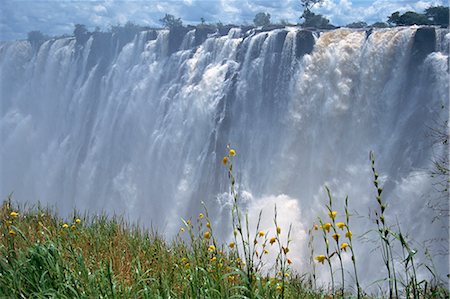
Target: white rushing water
column 140, row 130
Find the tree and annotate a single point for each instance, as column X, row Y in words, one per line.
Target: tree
column 262, row 19
column 36, row 39
column 169, row 21
column 81, row 33
column 438, row 15
column 308, row 4
column 379, row 25
column 408, row 18
column 315, row 20
column 359, row 24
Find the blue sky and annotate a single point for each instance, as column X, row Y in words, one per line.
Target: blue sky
column 55, row 17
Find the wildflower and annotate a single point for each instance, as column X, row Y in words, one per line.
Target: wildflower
column 187, row 265
column 8, row 222
column 289, row 261
column 341, row 225
column 320, row 258
column 14, row 214
column 211, row 248
column 285, row 250
column 184, row 260
column 349, row 234
column 332, row 214
column 278, row 230
column 73, row 227
column 344, row 246
column 200, row 216
column 182, row 230
column 286, row 274
column 272, row 240
column 12, row 233
column 213, row 259
column 207, row 235
column 208, row 225
column 231, row 244
column 326, row 226
column 266, row 251
column 65, row 225
column 336, row 236
column 316, row 227
column 261, row 234
column 231, row 278
column 77, row 221
column 225, row 160
column 278, row 287
column 232, row 153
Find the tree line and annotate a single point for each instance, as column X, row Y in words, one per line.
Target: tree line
column 434, row 15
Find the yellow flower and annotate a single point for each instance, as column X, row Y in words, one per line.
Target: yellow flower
column 8, row 222
column 12, row 233
column 200, row 216
column 184, row 260
column 182, row 230
column 344, row 246
column 213, row 259
column 278, row 287
column 65, row 225
column 14, row 214
column 207, row 235
column 332, row 214
column 336, row 236
column 225, row 160
column 187, row 265
column 341, row 225
column 349, row 234
column 286, row 274
column 316, row 227
column 285, row 250
column 326, row 226
column 208, row 225
column 278, row 230
column 266, row 251
column 77, row 221
column 289, row 261
column 261, row 234
column 231, row 244
column 73, row 227
column 232, row 153
column 211, row 248
column 320, row 258
column 272, row 240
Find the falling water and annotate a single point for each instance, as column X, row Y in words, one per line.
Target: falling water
column 138, row 125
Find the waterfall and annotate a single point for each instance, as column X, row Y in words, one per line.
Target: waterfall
column 138, row 125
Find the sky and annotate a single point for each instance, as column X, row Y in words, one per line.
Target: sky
column 56, row 17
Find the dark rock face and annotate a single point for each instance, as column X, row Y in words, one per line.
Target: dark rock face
column 424, row 44
column 304, row 43
column 176, row 36
column 201, row 33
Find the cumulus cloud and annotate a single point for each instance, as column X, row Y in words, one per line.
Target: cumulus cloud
column 58, row 17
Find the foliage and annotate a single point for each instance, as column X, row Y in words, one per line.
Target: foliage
column 438, row 15
column 315, row 20
column 169, row 21
column 262, row 19
column 359, row 24
column 379, row 25
column 434, row 15
column 36, row 39
column 81, row 33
